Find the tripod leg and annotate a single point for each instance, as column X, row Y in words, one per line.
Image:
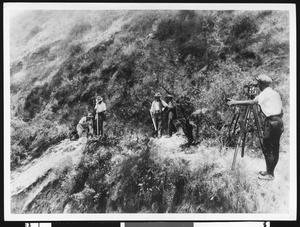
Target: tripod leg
column 240, row 137
column 232, row 129
column 235, row 125
column 235, row 153
column 245, row 131
column 231, row 123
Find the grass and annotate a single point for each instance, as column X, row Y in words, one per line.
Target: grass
column 151, row 176
column 71, row 56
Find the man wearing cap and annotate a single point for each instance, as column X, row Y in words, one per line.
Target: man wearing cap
column 84, row 125
column 271, row 106
column 100, row 108
column 156, row 111
column 171, row 114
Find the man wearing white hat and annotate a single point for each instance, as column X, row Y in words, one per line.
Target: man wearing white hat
column 271, row 106
column 156, row 111
column 100, row 108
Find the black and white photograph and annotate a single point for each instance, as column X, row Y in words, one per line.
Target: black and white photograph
column 149, row 111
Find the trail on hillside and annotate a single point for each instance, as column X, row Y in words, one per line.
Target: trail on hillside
column 31, row 180
column 35, row 187
column 269, row 194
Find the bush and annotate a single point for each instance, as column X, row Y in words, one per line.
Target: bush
column 34, row 101
column 88, row 185
column 79, row 29
column 139, row 183
column 242, row 33
column 33, row 32
column 142, row 23
column 16, row 67
column 33, row 138
column 75, row 49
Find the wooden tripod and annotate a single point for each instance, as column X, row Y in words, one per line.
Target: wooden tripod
column 243, row 132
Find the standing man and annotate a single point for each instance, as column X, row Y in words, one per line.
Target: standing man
column 171, row 114
column 271, row 106
column 100, row 108
column 156, row 112
column 84, row 125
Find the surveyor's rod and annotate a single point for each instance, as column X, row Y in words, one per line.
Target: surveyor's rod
column 153, row 122
column 97, row 124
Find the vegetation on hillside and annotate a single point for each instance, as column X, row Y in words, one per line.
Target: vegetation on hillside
column 61, row 60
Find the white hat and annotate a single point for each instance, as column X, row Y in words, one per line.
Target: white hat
column 263, row 78
column 157, row 94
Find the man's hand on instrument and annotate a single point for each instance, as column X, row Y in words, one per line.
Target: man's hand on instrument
column 231, row 102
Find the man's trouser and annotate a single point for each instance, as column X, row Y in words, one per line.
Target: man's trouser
column 90, row 128
column 271, row 141
column 158, row 123
column 100, row 123
column 171, row 126
column 80, row 130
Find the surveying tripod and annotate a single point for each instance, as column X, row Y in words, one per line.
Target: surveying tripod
column 251, row 91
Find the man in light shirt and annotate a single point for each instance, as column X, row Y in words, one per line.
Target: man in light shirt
column 85, row 125
column 100, row 108
column 271, row 106
column 156, row 111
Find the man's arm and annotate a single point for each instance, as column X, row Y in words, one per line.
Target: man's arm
column 242, row 102
column 164, row 103
column 104, row 107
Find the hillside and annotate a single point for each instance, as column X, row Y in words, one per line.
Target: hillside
column 60, row 60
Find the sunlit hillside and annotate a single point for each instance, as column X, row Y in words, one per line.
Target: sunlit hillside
column 60, row 60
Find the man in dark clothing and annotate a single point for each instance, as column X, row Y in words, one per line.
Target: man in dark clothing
column 171, row 114
column 271, row 106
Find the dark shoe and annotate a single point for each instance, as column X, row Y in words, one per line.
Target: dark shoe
column 263, row 173
column 267, row 177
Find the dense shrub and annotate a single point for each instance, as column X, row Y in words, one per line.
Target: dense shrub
column 75, row 49
column 79, row 29
column 242, row 33
column 141, row 181
column 34, row 101
column 142, row 23
column 16, row 67
column 33, row 32
column 30, row 140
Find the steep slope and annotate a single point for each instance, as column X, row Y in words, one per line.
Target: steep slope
column 36, row 180
column 260, row 196
column 61, row 59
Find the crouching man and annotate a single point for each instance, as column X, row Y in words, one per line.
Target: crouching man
column 85, row 125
